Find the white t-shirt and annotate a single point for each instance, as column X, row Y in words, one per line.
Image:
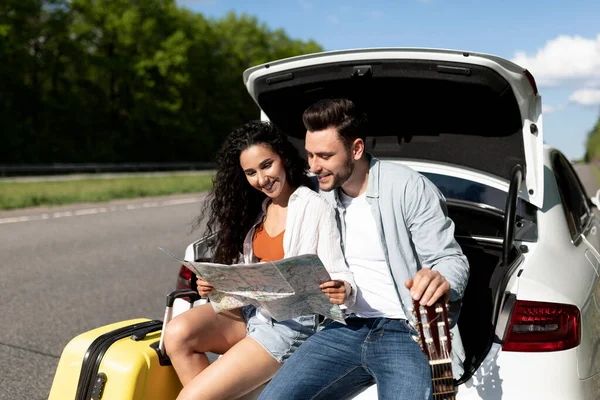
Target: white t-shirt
column 377, row 296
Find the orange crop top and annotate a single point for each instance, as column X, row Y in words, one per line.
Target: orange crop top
column 267, row 248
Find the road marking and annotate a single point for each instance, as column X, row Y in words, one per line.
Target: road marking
column 99, row 210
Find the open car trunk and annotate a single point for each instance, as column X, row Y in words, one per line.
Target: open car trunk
column 471, row 112
column 472, row 121
column 482, row 299
column 476, row 322
column 478, row 231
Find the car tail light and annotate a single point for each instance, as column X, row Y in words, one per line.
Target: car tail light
column 531, row 80
column 538, row 326
column 183, row 280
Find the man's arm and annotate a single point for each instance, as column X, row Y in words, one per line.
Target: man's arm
column 445, row 269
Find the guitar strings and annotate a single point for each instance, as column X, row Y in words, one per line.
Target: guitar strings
column 443, row 372
column 442, row 377
column 448, row 376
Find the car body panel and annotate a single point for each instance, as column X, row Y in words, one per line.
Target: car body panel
column 457, row 172
column 555, row 269
column 542, row 370
column 550, row 376
column 588, row 363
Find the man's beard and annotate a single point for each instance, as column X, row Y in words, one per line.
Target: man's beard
column 341, row 177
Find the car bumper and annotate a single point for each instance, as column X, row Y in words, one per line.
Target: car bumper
column 515, row 375
column 530, row 376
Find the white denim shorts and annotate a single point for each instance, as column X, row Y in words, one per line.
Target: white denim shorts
column 279, row 339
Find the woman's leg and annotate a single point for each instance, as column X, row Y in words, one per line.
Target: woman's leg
column 246, row 366
column 197, row 331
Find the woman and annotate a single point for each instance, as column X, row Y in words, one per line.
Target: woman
column 261, row 209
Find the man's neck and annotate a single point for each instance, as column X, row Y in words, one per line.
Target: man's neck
column 357, row 183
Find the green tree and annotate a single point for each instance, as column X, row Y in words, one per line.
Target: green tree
column 31, row 33
column 592, row 153
column 125, row 80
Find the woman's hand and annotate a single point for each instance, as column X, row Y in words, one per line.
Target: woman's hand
column 204, row 287
column 335, row 290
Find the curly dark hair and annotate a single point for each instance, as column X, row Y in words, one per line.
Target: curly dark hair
column 233, row 204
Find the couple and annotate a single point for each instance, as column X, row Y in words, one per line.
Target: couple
column 382, row 232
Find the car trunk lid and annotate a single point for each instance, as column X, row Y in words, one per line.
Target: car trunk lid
column 472, row 110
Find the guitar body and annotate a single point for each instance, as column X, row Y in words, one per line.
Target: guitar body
column 434, row 338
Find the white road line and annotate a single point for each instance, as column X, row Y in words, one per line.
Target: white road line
column 14, row 219
column 180, row 201
column 90, row 211
column 62, row 214
column 98, row 210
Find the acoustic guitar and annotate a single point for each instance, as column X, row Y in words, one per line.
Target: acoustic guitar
column 434, row 338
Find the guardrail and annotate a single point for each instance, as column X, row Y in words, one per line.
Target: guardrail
column 60, row 169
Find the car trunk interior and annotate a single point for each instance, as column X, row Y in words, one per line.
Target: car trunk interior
column 461, row 114
column 487, row 280
column 477, row 314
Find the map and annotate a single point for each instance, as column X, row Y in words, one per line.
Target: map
column 285, row 288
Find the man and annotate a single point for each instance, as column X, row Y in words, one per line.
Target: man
column 399, row 243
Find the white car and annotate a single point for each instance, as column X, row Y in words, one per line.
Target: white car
column 472, row 123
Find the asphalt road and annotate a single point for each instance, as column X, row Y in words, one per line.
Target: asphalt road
column 67, row 270
column 588, row 178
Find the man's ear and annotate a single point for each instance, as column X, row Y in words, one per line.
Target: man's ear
column 358, row 149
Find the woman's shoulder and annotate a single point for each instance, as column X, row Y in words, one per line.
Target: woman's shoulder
column 308, row 195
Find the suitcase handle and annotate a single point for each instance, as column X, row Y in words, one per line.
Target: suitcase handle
column 192, row 295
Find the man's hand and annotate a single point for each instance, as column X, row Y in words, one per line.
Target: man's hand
column 203, row 287
column 428, row 286
column 335, row 290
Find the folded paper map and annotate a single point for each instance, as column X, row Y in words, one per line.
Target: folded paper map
column 285, row 288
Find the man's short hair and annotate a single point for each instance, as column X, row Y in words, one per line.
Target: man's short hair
column 341, row 114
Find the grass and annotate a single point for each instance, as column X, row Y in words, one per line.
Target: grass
column 20, row 194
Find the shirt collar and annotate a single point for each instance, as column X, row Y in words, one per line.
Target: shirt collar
column 296, row 193
column 373, row 183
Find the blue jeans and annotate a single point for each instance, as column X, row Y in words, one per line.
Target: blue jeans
column 341, row 360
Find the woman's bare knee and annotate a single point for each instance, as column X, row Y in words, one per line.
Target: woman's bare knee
column 172, row 338
column 178, row 334
column 201, row 330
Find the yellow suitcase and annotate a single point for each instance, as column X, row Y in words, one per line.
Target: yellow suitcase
column 124, row 360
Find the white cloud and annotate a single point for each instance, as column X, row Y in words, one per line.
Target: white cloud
column 586, row 97
column 376, row 14
column 547, row 109
column 334, row 20
column 564, row 58
column 567, row 61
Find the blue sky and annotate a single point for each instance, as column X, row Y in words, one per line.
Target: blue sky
column 558, row 41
